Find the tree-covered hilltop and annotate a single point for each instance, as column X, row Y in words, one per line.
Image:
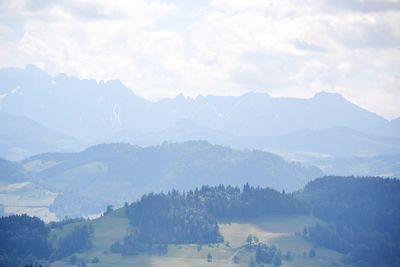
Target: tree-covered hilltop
column 129, row 171
column 191, row 217
column 174, row 165
column 363, row 216
column 231, row 202
column 172, row 218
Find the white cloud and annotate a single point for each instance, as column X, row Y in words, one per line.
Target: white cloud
column 161, row 48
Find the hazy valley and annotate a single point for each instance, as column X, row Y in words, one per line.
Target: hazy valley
column 75, row 151
column 203, row 133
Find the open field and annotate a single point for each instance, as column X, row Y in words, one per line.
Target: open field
column 39, row 165
column 277, row 230
column 26, row 197
column 281, row 231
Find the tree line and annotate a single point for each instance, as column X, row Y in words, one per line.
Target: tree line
column 361, row 220
column 191, row 217
column 362, row 215
column 25, row 240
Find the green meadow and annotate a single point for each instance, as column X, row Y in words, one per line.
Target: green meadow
column 282, row 231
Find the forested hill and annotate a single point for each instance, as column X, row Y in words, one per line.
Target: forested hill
column 371, row 203
column 358, row 217
column 184, row 165
column 191, row 217
column 129, row 171
column 363, row 216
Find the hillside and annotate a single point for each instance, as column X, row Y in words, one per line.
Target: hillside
column 332, row 221
column 363, row 216
column 114, row 173
column 360, row 236
column 12, row 172
column 21, row 137
column 18, row 195
column 279, row 221
column 381, row 165
column 277, row 230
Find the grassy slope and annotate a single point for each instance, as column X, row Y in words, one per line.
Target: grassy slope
column 282, row 231
column 28, row 198
column 279, row 230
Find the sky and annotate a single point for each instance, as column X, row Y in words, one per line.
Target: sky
column 221, row 47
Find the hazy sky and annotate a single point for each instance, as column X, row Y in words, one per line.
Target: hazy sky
column 221, row 47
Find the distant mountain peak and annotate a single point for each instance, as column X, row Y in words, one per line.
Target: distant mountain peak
column 256, row 94
column 35, row 71
column 180, row 96
column 328, row 95
column 115, row 82
column 186, row 123
column 93, row 110
column 31, row 67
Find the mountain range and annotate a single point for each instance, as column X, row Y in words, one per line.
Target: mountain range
column 92, row 111
column 134, row 145
column 43, row 113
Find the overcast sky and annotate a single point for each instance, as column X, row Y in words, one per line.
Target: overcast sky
column 221, row 47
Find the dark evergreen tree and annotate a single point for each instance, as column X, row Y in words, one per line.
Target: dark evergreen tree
column 266, row 254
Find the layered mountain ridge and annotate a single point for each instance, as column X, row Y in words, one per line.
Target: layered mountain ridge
column 92, row 111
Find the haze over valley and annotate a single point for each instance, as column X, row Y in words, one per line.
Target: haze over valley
column 245, row 133
column 86, row 135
